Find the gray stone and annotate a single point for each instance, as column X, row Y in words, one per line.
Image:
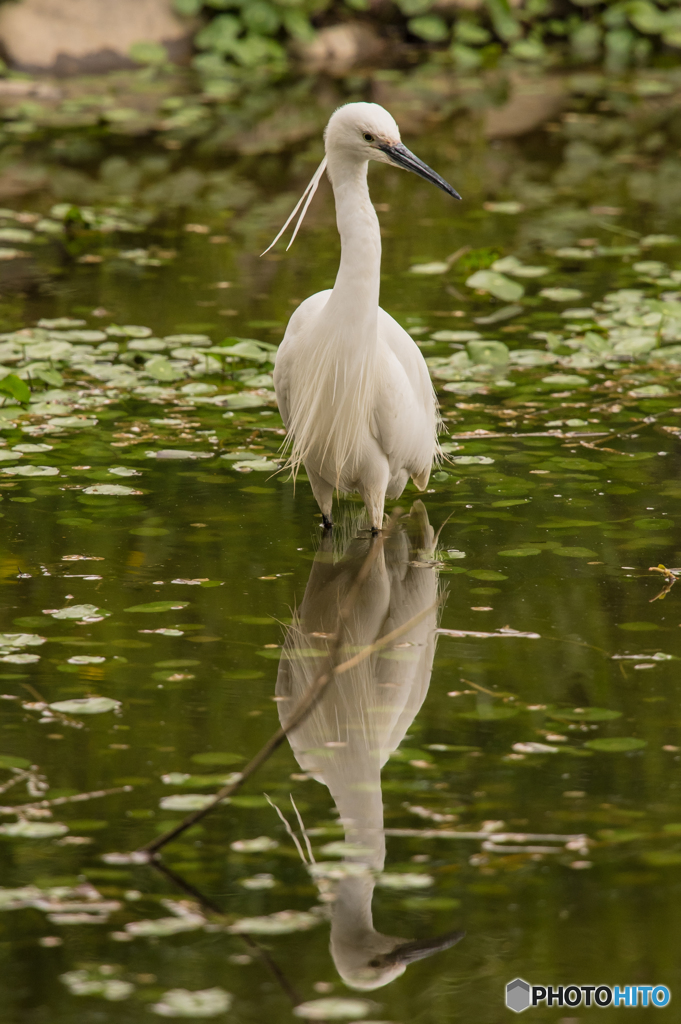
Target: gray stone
column 67, row 37
column 338, row 49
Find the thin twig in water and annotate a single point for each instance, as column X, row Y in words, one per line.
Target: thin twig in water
column 17, row 778
column 59, row 800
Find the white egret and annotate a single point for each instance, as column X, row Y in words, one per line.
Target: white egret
column 361, row 719
column 352, row 386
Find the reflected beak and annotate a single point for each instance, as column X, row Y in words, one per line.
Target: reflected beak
column 404, row 157
column 408, row 952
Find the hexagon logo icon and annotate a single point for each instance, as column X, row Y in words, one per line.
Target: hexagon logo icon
column 517, row 995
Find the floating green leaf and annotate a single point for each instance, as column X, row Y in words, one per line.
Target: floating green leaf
column 86, row 705
column 158, row 606
column 616, row 744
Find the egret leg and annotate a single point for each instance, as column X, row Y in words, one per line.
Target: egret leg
column 323, row 492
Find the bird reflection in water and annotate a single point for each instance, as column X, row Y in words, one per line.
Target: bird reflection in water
column 362, row 717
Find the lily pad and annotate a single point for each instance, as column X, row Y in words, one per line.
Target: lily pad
column 566, row 380
column 282, row 923
column 472, row 460
column 496, row 284
column 404, row 880
column 110, row 489
column 161, row 926
column 616, row 744
column 486, row 574
column 180, row 1002
column 34, row 829
column 583, row 714
column 333, row 1008
column 574, row 552
column 245, row 400
column 77, row 611
column 261, row 844
column 158, row 606
column 185, row 802
column 520, row 552
column 30, row 471
column 10, row 761
column 178, row 453
column 86, row 705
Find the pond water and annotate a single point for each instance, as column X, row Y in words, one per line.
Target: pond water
column 514, row 776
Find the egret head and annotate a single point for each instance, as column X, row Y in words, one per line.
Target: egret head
column 366, row 131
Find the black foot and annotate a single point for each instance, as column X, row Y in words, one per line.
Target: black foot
column 375, row 531
column 327, row 521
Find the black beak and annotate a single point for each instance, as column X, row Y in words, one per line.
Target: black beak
column 403, row 157
column 408, row 952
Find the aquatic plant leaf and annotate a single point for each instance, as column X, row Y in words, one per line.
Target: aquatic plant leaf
column 161, row 926
column 30, row 470
column 262, row 844
column 86, row 705
column 158, row 606
column 582, row 714
column 284, row 922
column 333, row 1008
column 616, row 744
column 115, row 490
column 404, row 880
column 16, row 388
column 34, row 829
column 76, row 611
column 10, row 761
column 496, row 284
column 180, row 1002
column 185, row 802
column 534, row 748
column 561, row 294
column 566, row 380
column 472, row 460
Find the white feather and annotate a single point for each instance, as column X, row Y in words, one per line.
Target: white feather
column 309, row 192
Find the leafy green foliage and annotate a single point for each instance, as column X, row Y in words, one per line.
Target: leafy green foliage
column 251, row 37
column 14, row 387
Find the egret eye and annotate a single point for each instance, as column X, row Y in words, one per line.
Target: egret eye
column 368, row 137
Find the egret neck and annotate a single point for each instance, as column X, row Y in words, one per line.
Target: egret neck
column 357, row 284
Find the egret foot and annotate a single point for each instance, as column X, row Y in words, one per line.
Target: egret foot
column 327, row 521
